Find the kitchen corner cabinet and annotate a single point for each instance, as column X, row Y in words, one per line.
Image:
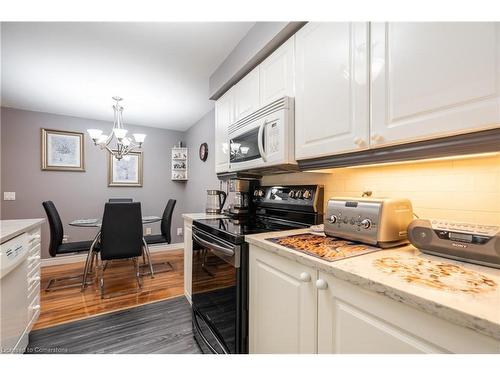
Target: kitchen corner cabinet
column 277, row 74
column 433, row 79
column 331, row 93
column 246, row 95
column 224, row 115
column 294, row 308
column 188, row 256
column 282, row 300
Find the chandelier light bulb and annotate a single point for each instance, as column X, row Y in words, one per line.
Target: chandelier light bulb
column 120, row 133
column 139, row 138
column 94, row 133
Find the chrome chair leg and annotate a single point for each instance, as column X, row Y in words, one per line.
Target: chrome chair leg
column 101, row 278
column 148, row 256
column 89, row 262
column 137, row 272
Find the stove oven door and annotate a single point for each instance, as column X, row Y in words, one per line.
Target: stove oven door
column 216, row 294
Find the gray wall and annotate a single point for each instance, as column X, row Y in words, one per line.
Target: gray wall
column 82, row 194
column 201, row 174
column 260, row 41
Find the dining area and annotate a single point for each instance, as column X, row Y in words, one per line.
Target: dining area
column 120, row 239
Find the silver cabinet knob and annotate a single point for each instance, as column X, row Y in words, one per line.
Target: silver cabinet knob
column 305, row 277
column 366, row 223
column 321, row 284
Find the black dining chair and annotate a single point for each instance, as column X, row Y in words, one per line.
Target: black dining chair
column 120, row 200
column 57, row 247
column 164, row 237
column 120, row 238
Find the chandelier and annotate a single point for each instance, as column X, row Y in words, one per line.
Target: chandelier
column 124, row 144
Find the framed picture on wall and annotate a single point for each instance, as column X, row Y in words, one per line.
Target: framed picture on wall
column 62, row 150
column 126, row 171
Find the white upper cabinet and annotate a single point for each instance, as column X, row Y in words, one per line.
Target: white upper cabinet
column 223, row 118
column 276, row 74
column 246, row 95
column 331, row 98
column 433, row 79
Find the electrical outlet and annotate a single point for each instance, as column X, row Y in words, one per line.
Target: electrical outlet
column 148, row 230
column 179, row 231
column 9, row 195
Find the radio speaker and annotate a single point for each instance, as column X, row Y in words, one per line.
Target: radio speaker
column 419, row 235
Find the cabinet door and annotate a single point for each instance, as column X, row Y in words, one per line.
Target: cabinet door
column 282, row 305
column 276, row 73
column 188, row 255
column 223, row 118
column 246, row 95
column 355, row 320
column 433, row 79
column 331, row 100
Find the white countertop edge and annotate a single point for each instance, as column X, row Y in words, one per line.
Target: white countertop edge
column 201, row 215
column 448, row 313
column 17, row 226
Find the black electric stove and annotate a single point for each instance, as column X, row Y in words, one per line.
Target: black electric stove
column 220, row 261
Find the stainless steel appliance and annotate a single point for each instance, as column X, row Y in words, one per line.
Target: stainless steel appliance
column 239, row 193
column 215, row 201
column 220, row 262
column 377, row 221
column 264, row 139
column 468, row 242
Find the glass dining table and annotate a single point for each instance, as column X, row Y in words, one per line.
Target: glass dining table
column 97, row 223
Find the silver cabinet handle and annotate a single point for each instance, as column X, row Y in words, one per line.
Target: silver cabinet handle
column 305, row 277
column 213, row 246
column 262, row 152
column 321, row 284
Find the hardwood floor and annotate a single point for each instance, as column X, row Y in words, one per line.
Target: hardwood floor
column 66, row 305
column 160, row 327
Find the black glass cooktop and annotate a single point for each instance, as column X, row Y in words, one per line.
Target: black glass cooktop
column 234, row 230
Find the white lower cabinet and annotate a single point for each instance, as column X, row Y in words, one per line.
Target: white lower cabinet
column 282, row 302
column 188, row 256
column 289, row 314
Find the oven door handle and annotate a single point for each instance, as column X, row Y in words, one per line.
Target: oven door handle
column 223, row 250
column 260, row 144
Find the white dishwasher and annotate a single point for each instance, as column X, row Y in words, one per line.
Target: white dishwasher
column 18, row 262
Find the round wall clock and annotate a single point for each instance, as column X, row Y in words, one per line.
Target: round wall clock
column 203, row 151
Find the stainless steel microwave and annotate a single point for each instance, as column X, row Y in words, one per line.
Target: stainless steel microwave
column 264, row 139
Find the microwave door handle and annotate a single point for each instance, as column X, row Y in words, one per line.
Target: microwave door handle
column 223, row 250
column 260, row 144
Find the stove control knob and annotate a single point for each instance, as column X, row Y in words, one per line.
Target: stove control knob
column 291, row 194
column 307, row 194
column 261, row 193
column 299, row 194
column 255, row 193
column 333, row 219
column 366, row 223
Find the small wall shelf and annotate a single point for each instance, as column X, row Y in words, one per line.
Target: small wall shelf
column 179, row 164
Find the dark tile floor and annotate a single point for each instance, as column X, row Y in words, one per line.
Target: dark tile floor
column 160, row 327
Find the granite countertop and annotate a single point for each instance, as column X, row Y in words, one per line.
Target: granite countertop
column 381, row 272
column 202, row 215
column 11, row 228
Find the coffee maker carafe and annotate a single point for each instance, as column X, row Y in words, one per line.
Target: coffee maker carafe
column 215, row 201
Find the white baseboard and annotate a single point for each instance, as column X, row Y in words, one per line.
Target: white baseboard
column 55, row 261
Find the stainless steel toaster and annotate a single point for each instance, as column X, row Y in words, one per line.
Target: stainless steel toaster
column 376, row 221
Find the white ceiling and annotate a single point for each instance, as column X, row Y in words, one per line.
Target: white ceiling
column 160, row 69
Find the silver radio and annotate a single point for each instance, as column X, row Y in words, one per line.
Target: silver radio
column 468, row 242
column 376, row 221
